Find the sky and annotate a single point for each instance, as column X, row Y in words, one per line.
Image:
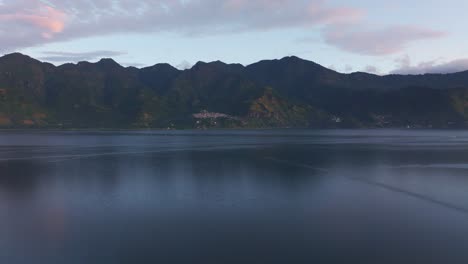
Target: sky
column 375, row 36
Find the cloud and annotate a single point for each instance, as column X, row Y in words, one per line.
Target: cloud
column 348, row 68
column 404, row 61
column 371, row 69
column 46, row 18
column 26, row 23
column 133, row 64
column 184, row 65
column 376, row 42
column 36, row 22
column 53, row 56
column 433, row 66
column 332, row 67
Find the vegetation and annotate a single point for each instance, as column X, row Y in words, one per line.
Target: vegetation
column 290, row 92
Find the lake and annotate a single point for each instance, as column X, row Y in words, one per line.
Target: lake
column 259, row 196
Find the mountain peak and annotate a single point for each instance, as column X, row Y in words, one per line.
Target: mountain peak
column 17, row 57
column 297, row 60
column 108, row 62
column 217, row 66
column 160, row 66
column 217, row 63
column 291, row 66
column 291, row 58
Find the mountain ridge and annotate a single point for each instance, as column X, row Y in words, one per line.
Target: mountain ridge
column 287, row 92
column 19, row 54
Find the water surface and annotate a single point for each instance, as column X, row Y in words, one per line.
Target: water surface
column 262, row 196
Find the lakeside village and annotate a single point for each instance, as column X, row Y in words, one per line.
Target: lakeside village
column 206, row 120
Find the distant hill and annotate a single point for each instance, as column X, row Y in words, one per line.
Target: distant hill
column 290, row 92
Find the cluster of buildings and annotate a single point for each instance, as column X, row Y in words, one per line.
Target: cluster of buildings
column 210, row 115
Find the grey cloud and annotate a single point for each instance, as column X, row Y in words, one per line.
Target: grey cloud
column 403, row 62
column 133, row 64
column 26, row 23
column 458, row 65
column 348, row 68
column 371, row 69
column 53, row 56
column 332, row 67
column 37, row 22
column 184, row 65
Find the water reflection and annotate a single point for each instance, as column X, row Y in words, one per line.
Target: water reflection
column 20, row 178
column 233, row 197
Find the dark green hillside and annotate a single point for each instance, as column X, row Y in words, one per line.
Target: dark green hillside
column 290, row 92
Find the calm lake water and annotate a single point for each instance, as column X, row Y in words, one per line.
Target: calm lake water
column 280, row 196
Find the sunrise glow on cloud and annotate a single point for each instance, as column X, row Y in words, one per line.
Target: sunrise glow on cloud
column 330, row 32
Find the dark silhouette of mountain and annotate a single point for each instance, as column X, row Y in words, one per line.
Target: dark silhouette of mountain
column 290, row 92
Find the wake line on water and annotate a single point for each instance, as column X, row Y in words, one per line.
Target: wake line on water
column 411, row 194
column 76, row 156
column 63, row 158
column 433, row 166
column 387, row 187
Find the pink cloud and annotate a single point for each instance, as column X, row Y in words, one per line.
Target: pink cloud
column 53, row 20
column 284, row 13
column 375, row 42
column 36, row 23
column 26, row 23
column 336, row 15
column 316, row 10
column 48, row 19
